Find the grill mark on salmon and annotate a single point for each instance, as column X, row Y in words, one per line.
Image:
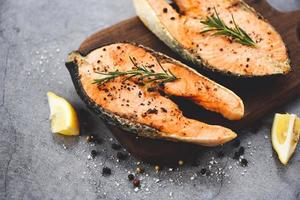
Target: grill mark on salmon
column 141, row 104
column 182, row 33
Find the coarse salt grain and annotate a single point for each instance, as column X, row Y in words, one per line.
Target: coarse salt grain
column 266, row 137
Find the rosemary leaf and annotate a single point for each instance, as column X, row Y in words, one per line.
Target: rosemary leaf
column 214, row 23
column 142, row 72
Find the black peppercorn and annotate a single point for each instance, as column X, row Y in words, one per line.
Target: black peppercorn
column 130, row 177
column 151, row 89
column 152, row 111
column 106, row 171
column 244, row 162
column 162, row 85
column 136, row 183
column 94, row 153
column 121, row 156
column 203, row 171
column 164, row 110
column 241, row 151
column 116, row 146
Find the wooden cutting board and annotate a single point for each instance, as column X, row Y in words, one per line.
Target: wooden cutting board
column 260, row 96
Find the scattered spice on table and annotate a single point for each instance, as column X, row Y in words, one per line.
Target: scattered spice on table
column 93, row 139
column 90, row 138
column 239, row 153
column 116, row 146
column 241, row 150
column 94, row 153
column 106, row 171
column 203, row 171
column 210, row 171
column 139, row 170
column 136, row 183
column 122, row 156
column 130, row 177
column 157, row 168
column 244, row 162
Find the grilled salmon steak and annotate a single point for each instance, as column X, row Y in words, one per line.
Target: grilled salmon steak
column 144, row 107
column 186, row 34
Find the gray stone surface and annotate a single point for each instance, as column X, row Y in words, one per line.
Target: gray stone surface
column 35, row 37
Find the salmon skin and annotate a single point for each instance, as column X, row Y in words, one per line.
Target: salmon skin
column 145, row 109
column 183, row 32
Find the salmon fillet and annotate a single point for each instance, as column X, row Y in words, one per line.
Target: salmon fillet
column 183, row 32
column 149, row 104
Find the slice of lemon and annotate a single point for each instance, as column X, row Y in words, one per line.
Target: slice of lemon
column 285, row 135
column 62, row 115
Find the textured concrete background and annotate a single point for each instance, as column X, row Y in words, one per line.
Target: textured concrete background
column 35, row 37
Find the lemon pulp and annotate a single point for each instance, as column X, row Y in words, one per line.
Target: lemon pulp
column 285, row 135
column 62, row 115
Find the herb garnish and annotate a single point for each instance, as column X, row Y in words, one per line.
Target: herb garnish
column 214, row 23
column 143, row 74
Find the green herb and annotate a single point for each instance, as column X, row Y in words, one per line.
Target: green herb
column 214, row 23
column 143, row 74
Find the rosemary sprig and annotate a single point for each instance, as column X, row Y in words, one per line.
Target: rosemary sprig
column 214, row 23
column 143, row 73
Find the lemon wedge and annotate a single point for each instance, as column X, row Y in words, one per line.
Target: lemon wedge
column 285, row 135
column 62, row 115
